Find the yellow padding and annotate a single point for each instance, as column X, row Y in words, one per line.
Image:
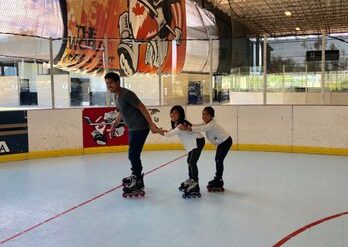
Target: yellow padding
column 174, row 146
column 209, row 146
column 320, row 150
column 13, row 157
column 265, row 148
column 98, row 150
column 164, row 146
column 54, row 153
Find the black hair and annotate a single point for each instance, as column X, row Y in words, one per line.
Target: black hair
column 113, row 76
column 210, row 111
column 182, row 117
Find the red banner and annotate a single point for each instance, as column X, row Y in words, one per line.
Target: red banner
column 96, row 128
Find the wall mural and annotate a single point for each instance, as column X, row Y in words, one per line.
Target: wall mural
column 97, row 127
column 139, row 33
column 144, row 36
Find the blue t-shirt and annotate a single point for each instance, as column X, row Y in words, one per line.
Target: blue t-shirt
column 127, row 103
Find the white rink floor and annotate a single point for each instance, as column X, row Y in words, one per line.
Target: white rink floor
column 267, row 197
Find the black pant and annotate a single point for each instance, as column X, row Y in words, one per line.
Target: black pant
column 221, row 152
column 193, row 157
column 136, row 143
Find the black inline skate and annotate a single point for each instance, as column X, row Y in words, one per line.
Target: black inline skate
column 134, row 188
column 192, row 191
column 216, row 185
column 184, row 185
column 128, row 180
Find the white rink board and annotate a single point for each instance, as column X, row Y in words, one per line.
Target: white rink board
column 265, row 125
column 310, row 126
column 321, row 126
column 55, row 129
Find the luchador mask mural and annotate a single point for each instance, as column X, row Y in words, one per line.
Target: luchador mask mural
column 143, row 36
column 139, row 34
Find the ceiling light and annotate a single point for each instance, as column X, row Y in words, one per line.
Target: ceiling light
column 287, row 13
column 298, row 29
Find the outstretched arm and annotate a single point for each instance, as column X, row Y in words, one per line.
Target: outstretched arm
column 147, row 116
column 198, row 128
column 115, row 123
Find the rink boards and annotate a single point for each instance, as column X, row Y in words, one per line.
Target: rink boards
column 305, row 129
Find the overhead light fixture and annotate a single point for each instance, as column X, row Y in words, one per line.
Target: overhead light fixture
column 298, row 29
column 287, row 13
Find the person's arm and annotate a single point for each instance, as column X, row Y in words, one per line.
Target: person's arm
column 115, row 123
column 117, row 120
column 202, row 128
column 170, row 133
column 147, row 116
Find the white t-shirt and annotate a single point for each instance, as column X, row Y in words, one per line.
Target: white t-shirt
column 215, row 133
column 187, row 138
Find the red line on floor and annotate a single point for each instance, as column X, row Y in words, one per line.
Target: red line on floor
column 305, row 228
column 79, row 205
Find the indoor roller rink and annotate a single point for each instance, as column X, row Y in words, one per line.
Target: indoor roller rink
column 275, row 72
column 270, row 199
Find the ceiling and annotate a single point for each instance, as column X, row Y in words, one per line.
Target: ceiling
column 268, row 16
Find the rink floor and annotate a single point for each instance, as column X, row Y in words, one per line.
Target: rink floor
column 268, row 196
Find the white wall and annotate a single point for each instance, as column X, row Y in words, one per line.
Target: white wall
column 146, row 87
column 321, row 126
column 55, row 129
column 61, row 91
column 28, row 71
column 270, row 125
column 315, row 98
column 339, row 98
column 9, row 95
column 287, row 98
column 246, row 98
column 44, row 92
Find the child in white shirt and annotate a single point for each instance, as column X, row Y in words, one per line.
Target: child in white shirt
column 217, row 136
column 193, row 143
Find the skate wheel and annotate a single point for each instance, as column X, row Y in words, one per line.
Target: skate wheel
column 136, row 195
column 188, row 196
column 184, row 196
column 130, row 195
column 209, row 190
column 199, row 195
column 193, row 196
column 222, row 189
column 142, row 193
column 124, row 195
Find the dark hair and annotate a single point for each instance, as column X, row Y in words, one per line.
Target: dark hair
column 182, row 119
column 113, row 76
column 210, row 111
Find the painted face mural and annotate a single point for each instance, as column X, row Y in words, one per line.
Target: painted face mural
column 143, row 36
column 139, row 33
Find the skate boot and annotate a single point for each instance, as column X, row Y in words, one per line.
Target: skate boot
column 216, row 185
column 192, row 191
column 134, row 188
column 185, row 184
column 128, row 180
